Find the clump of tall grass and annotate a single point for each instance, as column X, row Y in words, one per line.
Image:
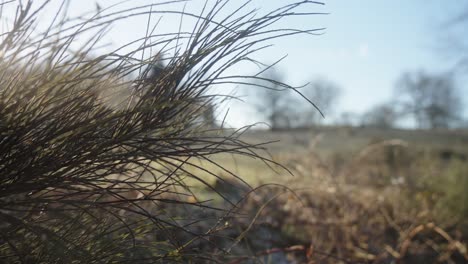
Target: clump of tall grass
column 92, row 155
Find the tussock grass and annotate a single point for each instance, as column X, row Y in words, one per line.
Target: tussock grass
column 93, row 153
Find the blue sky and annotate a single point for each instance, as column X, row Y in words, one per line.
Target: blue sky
column 369, row 43
column 366, row 46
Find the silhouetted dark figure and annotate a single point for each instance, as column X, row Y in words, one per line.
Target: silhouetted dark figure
column 149, row 78
column 157, row 89
column 154, row 73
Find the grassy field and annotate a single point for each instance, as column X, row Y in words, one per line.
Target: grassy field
column 335, row 147
column 356, row 195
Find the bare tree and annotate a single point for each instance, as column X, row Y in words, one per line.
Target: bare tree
column 454, row 42
column 324, row 94
column 381, row 116
column 348, row 118
column 433, row 100
column 274, row 102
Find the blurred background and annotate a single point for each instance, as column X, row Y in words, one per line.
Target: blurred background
column 370, row 147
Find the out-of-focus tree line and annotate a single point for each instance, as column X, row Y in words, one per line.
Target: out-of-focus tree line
column 427, row 100
column 421, row 99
